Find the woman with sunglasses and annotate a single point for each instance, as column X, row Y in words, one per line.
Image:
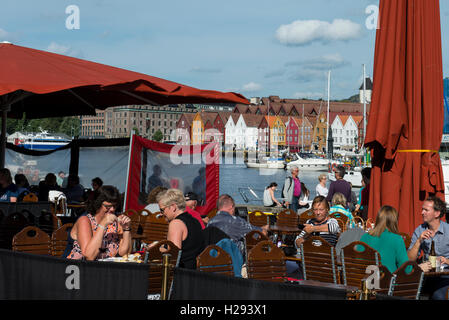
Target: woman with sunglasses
column 101, row 233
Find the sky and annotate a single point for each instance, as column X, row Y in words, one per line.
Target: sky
column 254, row 47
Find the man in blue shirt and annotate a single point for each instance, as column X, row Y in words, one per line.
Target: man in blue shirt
column 433, row 229
column 235, row 227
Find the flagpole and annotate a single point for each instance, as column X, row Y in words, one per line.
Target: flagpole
column 328, row 103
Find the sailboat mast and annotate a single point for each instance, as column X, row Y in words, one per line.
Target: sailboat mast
column 328, row 103
column 302, row 138
column 364, row 112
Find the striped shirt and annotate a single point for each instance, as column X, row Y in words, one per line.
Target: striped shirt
column 331, row 236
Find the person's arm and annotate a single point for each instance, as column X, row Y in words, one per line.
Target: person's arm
column 415, row 247
column 124, row 228
column 90, row 242
column 330, row 193
column 177, row 232
column 273, row 198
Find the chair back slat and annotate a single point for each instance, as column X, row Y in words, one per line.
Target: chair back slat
column 32, row 240
column 215, row 259
column 356, row 257
column 154, row 257
column 252, row 238
column 258, row 218
column 407, row 284
column 155, row 228
column 59, row 239
column 306, row 215
column 287, row 218
column 266, row 262
column 319, row 260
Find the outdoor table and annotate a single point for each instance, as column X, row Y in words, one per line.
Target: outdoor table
column 433, row 273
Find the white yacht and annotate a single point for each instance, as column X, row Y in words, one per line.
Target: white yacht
column 309, row 164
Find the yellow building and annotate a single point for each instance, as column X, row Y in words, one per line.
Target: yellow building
column 197, row 134
column 277, row 131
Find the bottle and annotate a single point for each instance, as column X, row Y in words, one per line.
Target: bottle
column 433, row 255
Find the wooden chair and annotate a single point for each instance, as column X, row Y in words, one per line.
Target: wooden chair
column 145, row 212
column 137, row 221
column 355, row 258
column 252, row 238
column 319, row 260
column 287, row 218
column 358, row 221
column 407, row 285
column 48, row 222
column 154, row 257
column 266, row 262
column 258, row 218
column 155, row 228
column 407, row 239
column 341, row 224
column 11, row 225
column 306, row 215
column 30, row 197
column 32, row 240
column 342, row 217
column 369, row 224
column 215, row 259
column 59, row 239
column 212, row 213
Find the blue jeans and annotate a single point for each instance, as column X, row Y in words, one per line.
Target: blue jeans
column 437, row 287
column 295, row 204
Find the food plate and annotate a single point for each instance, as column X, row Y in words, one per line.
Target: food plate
column 136, row 258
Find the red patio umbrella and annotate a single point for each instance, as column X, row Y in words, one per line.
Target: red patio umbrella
column 43, row 84
column 405, row 125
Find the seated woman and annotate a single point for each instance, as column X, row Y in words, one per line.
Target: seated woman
column 152, row 205
column 304, row 197
column 385, row 239
column 338, row 208
column 100, row 233
column 183, row 230
column 269, row 199
column 8, row 190
column 22, row 184
column 47, row 185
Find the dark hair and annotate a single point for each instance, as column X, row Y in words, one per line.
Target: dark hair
column 273, row 184
column 438, row 205
column 21, row 180
column 97, row 181
column 304, row 189
column 104, row 193
column 153, row 194
column 366, row 175
column 341, row 171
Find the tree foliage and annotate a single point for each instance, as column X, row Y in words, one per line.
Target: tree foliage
column 158, row 136
column 67, row 125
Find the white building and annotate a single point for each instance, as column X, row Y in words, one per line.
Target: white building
column 368, row 91
column 345, row 132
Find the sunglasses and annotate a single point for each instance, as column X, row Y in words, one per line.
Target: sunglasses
column 109, row 206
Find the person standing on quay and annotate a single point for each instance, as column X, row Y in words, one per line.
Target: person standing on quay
column 339, row 185
column 292, row 190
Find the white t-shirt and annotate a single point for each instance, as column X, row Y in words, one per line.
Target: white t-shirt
column 321, row 191
column 267, row 201
column 153, row 207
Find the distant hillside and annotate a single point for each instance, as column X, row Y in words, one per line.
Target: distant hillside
column 355, row 98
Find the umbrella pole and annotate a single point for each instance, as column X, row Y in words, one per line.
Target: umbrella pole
column 3, row 136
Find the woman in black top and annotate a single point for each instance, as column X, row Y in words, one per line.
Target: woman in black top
column 183, row 230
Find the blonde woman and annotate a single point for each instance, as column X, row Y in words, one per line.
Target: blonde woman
column 385, row 239
column 321, row 189
column 338, row 207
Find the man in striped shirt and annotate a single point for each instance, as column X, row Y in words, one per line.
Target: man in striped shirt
column 321, row 225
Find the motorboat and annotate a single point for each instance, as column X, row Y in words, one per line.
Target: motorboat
column 309, row 164
column 266, row 163
column 352, row 176
column 39, row 141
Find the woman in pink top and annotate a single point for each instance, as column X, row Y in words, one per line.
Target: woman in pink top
column 100, row 233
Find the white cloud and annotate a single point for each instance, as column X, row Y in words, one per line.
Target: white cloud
column 251, row 87
column 303, row 32
column 205, row 70
column 64, row 50
column 5, row 36
column 325, row 62
column 308, row 95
